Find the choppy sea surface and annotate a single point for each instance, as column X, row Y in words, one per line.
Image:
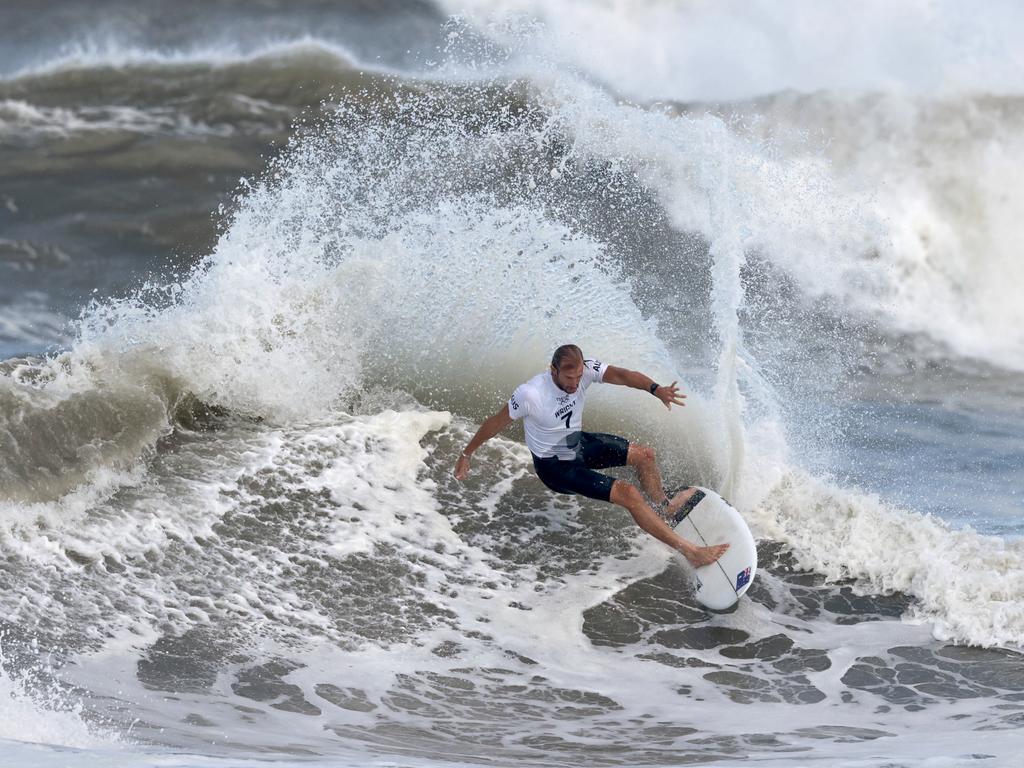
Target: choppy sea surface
column 266, row 266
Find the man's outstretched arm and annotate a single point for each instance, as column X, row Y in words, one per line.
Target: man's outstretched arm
column 488, row 429
column 668, row 394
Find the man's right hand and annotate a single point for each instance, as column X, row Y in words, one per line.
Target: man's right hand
column 462, row 467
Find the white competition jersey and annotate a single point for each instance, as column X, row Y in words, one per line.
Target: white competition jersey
column 553, row 418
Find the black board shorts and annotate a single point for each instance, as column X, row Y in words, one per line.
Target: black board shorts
column 595, row 450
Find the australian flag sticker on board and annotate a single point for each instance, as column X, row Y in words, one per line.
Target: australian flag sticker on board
column 742, row 578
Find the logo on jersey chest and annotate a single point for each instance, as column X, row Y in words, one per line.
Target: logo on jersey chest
column 564, row 409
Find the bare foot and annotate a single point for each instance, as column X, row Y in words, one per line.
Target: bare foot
column 706, row 555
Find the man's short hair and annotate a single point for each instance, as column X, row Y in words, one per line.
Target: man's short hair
column 564, row 353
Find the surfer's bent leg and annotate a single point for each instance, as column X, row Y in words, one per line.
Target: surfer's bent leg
column 628, row 495
column 643, row 459
column 574, row 477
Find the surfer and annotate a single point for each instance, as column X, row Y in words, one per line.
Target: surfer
column 566, row 458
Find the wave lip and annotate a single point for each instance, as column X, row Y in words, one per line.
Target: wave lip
column 61, row 424
column 90, row 57
column 204, row 94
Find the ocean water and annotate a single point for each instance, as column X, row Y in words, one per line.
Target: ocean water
column 267, row 267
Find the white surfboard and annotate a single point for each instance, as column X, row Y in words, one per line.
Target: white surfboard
column 708, row 519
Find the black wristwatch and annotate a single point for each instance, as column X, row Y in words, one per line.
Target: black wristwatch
column 653, row 387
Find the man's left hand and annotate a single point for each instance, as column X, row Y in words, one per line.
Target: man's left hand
column 670, row 395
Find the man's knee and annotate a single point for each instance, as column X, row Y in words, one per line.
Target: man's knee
column 625, row 494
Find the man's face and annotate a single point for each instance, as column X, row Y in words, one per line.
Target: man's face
column 567, row 378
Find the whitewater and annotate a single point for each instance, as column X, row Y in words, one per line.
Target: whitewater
column 261, row 286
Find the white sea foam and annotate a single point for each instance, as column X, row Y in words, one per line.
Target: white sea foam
column 43, row 717
column 913, row 108
column 97, row 53
column 967, row 586
column 936, row 174
column 364, row 485
column 660, row 49
column 523, row 613
column 22, row 121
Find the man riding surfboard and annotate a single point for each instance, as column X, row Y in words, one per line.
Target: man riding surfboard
column 567, row 459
